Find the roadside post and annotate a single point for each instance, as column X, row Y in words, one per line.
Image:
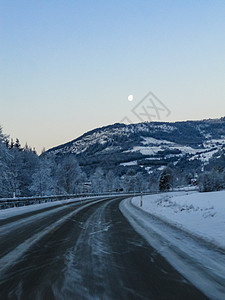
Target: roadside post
column 141, row 199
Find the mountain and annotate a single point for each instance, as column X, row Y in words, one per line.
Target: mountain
column 148, row 146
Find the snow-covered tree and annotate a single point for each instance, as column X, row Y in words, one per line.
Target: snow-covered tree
column 4, row 157
column 211, row 181
column 29, row 165
column 69, row 175
column 98, row 181
column 128, row 182
column 109, row 181
column 13, row 173
column 43, row 183
column 117, row 184
column 140, row 184
column 10, row 163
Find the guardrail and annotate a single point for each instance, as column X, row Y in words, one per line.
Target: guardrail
column 22, row 201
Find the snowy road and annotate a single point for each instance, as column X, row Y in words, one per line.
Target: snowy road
column 83, row 251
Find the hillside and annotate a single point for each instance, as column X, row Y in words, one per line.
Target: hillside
column 148, row 146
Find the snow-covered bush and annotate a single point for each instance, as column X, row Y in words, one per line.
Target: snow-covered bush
column 211, row 181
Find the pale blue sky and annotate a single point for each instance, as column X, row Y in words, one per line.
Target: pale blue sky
column 68, row 66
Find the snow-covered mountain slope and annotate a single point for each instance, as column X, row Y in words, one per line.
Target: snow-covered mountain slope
column 147, row 145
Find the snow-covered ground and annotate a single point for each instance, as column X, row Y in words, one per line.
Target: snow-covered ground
column 187, row 229
column 202, row 214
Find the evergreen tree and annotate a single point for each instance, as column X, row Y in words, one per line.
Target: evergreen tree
column 11, row 146
column 17, row 144
column 165, row 181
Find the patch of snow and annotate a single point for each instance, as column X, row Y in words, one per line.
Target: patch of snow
column 161, row 168
column 205, row 156
column 153, row 150
column 187, row 149
column 172, row 155
column 146, row 150
column 150, row 140
column 130, row 163
column 153, row 158
column 214, row 143
column 148, row 169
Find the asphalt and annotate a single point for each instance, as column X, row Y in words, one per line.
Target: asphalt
column 94, row 254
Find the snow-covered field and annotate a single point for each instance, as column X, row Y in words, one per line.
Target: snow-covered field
column 202, row 214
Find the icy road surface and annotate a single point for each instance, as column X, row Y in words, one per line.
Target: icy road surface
column 83, row 250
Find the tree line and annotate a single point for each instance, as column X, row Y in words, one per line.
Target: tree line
column 23, row 173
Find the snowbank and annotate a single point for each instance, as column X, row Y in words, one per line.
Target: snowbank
column 15, row 211
column 187, row 229
column 201, row 214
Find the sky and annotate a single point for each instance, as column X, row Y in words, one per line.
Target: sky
column 68, row 66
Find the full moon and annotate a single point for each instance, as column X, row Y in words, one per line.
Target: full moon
column 130, row 97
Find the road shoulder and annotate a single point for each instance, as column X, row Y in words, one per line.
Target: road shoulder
column 198, row 262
